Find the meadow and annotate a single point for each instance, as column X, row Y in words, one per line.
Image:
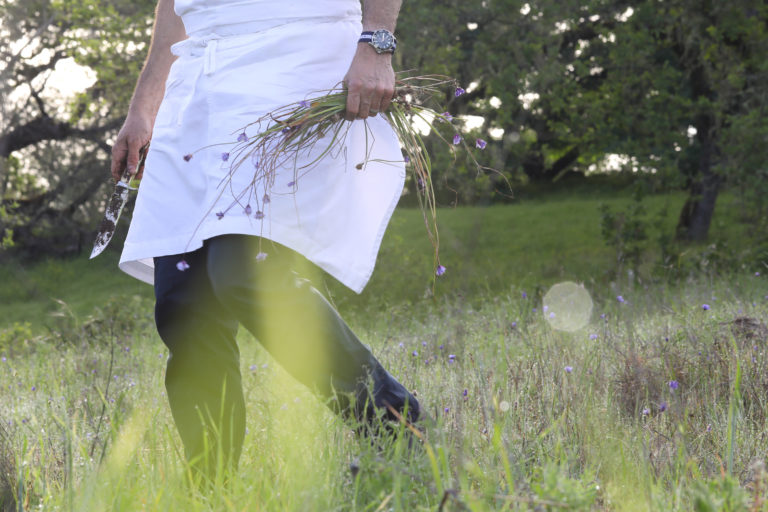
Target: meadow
column 657, row 402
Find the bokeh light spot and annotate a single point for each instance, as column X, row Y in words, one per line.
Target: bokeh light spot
column 571, row 305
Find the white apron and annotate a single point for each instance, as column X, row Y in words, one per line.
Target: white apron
column 242, row 60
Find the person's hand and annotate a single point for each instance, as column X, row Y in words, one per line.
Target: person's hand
column 370, row 83
column 134, row 135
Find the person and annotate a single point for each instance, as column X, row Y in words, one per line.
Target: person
column 215, row 66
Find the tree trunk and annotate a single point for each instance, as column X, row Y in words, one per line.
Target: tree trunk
column 696, row 216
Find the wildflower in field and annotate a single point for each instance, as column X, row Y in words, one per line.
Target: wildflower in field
column 447, row 116
column 266, row 199
column 705, row 307
column 248, row 209
column 406, row 159
column 480, row 144
column 441, row 347
column 602, row 316
column 593, row 336
column 552, row 315
column 513, row 325
column 182, row 265
column 673, row 385
column 34, row 388
column 415, row 353
column 401, row 344
column 423, row 343
column 440, row 270
column 459, row 91
column 188, row 157
column 242, row 137
column 568, row 369
column 662, row 406
column 545, row 309
column 224, row 157
column 456, row 139
column 709, row 427
column 446, row 410
column 219, row 215
column 646, row 411
column 258, row 215
column 620, row 299
column 304, row 104
column 253, row 367
column 261, row 256
column 291, row 183
column 757, row 274
column 525, row 295
column 465, row 393
column 4, row 359
column 451, row 358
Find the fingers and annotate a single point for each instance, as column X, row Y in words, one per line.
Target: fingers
column 367, row 100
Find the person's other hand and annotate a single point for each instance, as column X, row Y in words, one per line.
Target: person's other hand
column 134, row 135
column 370, row 83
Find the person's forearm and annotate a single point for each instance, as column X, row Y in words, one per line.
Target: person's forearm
column 168, row 29
column 380, row 14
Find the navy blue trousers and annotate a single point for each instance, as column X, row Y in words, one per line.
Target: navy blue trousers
column 197, row 313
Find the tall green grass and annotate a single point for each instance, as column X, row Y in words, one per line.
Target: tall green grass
column 519, row 416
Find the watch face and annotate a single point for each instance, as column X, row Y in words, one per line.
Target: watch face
column 382, row 39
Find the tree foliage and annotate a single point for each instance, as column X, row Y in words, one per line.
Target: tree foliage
column 54, row 150
column 679, row 87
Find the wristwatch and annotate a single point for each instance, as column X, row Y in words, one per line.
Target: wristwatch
column 382, row 40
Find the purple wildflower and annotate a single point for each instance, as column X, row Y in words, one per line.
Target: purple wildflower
column 480, row 144
column 593, row 336
column 451, row 357
column 568, row 369
column 304, row 104
column 258, row 215
column 285, row 130
column 220, row 215
column 456, row 139
column 291, row 183
column 513, row 325
column 525, row 295
column 182, row 265
column 423, row 343
column 459, row 91
column 261, row 256
column 188, row 157
column 253, row 367
column 757, row 274
column 662, row 406
column 709, row 427
column 446, row 410
column 34, row 388
column 673, row 385
column 465, row 392
column 440, row 270
column 620, row 299
column 266, row 199
column 441, row 347
column 646, row 411
column 705, row 307
column 415, row 353
column 401, row 344
column 446, row 116
column 242, row 137
column 248, row 209
column 225, row 157
column 406, row 159
column 4, row 359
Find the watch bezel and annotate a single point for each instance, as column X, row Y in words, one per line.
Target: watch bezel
column 383, row 40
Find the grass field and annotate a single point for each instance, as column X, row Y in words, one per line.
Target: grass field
column 659, row 402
